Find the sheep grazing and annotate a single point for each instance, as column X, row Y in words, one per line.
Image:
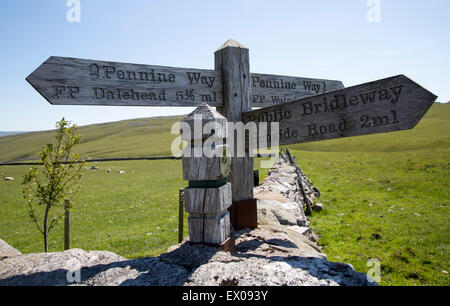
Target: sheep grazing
column 6, row 178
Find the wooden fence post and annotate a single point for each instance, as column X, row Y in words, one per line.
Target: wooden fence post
column 180, row 215
column 233, row 60
column 66, row 224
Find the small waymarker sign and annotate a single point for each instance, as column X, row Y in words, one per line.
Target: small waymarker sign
column 72, row 81
column 269, row 89
column 395, row 103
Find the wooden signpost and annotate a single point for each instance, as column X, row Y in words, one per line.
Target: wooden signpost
column 306, row 110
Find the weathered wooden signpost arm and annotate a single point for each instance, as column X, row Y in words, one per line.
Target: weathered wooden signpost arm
column 391, row 104
column 74, row 81
column 270, row 89
column 233, row 60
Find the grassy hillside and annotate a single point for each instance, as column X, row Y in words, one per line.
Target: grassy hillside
column 128, row 138
column 386, row 196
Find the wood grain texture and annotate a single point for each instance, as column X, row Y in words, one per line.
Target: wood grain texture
column 207, row 201
column 196, row 223
column 395, row 103
column 202, row 123
column 269, row 89
column 216, row 229
column 205, row 168
column 233, row 60
column 209, row 229
column 72, row 81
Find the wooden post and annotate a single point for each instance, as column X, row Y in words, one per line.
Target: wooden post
column 209, row 195
column 233, row 60
column 66, row 224
column 181, row 215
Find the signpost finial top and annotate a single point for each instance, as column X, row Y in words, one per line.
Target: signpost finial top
column 232, row 43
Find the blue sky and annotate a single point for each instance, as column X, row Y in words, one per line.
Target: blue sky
column 319, row 39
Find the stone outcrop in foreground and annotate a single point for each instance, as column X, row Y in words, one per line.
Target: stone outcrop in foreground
column 282, row 251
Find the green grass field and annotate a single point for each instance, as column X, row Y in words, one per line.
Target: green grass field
column 386, row 196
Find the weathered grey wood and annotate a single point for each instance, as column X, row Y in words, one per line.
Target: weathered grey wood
column 233, row 60
column 209, row 229
column 205, row 168
column 395, row 103
column 66, row 224
column 216, row 228
column 204, row 122
column 180, row 215
column 207, row 201
column 73, row 81
column 269, row 89
column 196, row 224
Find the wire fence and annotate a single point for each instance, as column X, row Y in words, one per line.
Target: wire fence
column 92, row 160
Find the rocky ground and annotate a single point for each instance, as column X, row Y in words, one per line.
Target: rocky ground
column 281, row 251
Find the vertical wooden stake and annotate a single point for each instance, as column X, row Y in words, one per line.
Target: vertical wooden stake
column 181, row 216
column 233, row 60
column 66, row 224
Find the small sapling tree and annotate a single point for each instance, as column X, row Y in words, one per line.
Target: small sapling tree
column 46, row 186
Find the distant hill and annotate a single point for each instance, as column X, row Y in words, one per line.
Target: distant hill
column 152, row 137
column 10, row 133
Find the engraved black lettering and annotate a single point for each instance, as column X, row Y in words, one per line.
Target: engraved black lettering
column 368, row 97
column 365, row 121
column 121, row 75
column 109, row 70
column 343, row 125
column 354, row 100
column 396, row 91
column 255, row 81
column 312, row 129
column 162, row 95
column 194, row 77
column 143, row 76
column 162, row 77
column 384, row 95
column 73, row 90
column 332, row 128
column 59, row 91
column 131, row 75
column 95, row 71
column 307, row 108
column 317, row 107
column 394, row 113
column 99, row 93
column 379, row 121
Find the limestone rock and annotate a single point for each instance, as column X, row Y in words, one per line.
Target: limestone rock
column 7, row 251
column 100, row 268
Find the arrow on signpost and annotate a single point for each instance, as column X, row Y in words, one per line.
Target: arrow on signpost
column 395, row 103
column 73, row 81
